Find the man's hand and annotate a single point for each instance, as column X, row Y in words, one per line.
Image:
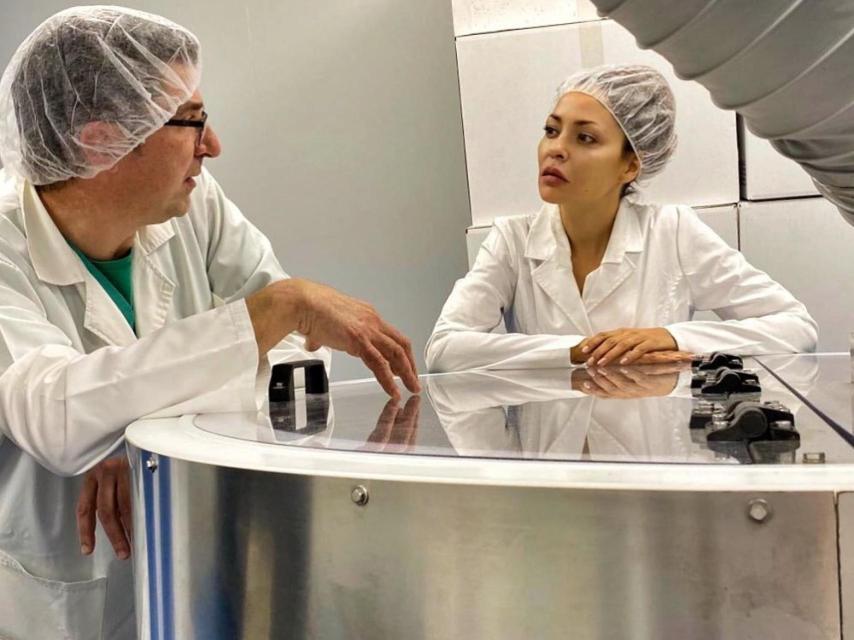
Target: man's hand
column 329, row 318
column 335, row 320
column 106, row 491
column 396, row 427
column 624, row 346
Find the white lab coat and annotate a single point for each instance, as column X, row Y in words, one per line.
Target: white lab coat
column 661, row 265
column 73, row 375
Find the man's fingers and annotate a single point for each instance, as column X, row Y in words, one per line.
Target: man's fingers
column 398, row 360
column 379, row 366
column 405, row 343
column 86, row 508
column 108, row 514
column 409, row 418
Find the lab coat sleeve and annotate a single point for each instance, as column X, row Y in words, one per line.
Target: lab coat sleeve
column 240, row 261
column 68, row 409
column 758, row 315
column 461, row 338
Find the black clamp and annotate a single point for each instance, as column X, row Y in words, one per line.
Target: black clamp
column 716, row 360
column 724, row 381
column 282, row 379
column 749, row 420
column 750, row 431
column 283, row 405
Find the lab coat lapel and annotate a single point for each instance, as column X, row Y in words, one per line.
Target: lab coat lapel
column 547, row 244
column 620, row 259
column 56, row 263
column 153, row 288
column 103, row 317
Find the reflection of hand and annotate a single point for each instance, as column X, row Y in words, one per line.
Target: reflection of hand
column 641, row 381
column 625, row 345
column 396, row 426
column 106, row 491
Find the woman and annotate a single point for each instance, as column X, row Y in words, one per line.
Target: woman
column 598, row 276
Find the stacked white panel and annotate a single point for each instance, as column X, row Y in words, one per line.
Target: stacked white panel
column 507, row 85
column 768, row 174
column 484, row 16
column 806, row 246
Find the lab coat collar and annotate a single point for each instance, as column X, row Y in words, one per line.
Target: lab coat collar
column 56, row 263
column 547, row 237
column 149, row 238
column 544, row 236
column 547, row 243
column 53, row 259
column 626, row 235
column 618, row 263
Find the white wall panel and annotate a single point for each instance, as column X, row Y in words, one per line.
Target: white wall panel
column 806, row 246
column 483, row 16
column 768, row 174
column 507, row 84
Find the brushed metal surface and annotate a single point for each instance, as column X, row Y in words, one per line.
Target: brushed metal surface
column 255, row 554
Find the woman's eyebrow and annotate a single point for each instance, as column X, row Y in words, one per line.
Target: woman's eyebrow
column 580, row 123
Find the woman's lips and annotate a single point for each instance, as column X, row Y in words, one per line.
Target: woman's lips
column 552, row 176
column 551, row 179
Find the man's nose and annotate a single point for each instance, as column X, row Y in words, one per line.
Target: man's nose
column 210, row 146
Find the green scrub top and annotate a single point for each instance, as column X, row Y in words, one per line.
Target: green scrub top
column 115, row 277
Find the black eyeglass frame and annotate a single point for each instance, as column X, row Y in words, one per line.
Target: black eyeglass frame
column 196, row 124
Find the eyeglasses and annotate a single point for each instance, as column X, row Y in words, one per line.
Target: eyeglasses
column 201, row 125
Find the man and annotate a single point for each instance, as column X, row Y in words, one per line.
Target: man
column 129, row 284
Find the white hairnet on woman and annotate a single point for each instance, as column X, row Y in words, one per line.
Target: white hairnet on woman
column 641, row 102
column 598, row 277
column 126, row 70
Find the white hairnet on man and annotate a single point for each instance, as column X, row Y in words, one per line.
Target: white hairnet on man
column 130, row 285
column 641, row 102
column 126, row 70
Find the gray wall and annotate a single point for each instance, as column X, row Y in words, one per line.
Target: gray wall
column 340, row 122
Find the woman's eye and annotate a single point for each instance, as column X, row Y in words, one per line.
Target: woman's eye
column 586, row 138
column 550, row 131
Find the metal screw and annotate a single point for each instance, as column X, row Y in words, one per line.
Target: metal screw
column 151, row 463
column 359, row 495
column 814, row 457
column 758, row 510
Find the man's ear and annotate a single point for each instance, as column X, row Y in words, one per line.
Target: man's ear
column 98, row 141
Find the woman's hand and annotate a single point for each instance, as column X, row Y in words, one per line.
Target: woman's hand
column 641, row 381
column 626, row 346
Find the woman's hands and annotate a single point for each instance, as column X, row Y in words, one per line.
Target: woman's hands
column 628, row 346
column 638, row 381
